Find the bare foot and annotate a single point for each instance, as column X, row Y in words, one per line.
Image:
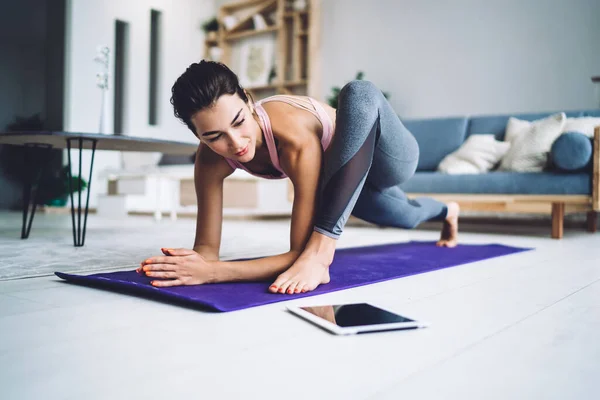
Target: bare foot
column 310, row 270
column 449, row 236
column 303, row 276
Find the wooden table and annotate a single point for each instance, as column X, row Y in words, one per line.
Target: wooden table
column 89, row 141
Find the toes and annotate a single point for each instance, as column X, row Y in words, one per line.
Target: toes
column 276, row 286
column 284, row 286
column 299, row 287
column 287, row 287
column 292, row 288
column 446, row 243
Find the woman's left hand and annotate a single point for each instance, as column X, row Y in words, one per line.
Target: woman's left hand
column 178, row 267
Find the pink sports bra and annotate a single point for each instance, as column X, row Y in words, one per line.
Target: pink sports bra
column 305, row 103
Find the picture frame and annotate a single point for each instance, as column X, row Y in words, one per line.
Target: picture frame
column 256, row 60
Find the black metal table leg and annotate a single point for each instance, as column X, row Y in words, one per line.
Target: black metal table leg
column 78, row 233
column 30, row 185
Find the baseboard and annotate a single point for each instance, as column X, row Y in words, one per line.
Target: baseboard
column 165, row 214
column 534, row 220
column 62, row 210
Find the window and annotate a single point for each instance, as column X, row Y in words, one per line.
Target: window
column 121, row 50
column 155, row 22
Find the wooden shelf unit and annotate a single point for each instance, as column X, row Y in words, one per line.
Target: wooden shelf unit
column 282, row 87
column 245, row 23
column 239, row 35
column 293, row 31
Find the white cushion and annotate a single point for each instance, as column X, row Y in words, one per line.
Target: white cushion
column 583, row 125
column 530, row 142
column 477, row 155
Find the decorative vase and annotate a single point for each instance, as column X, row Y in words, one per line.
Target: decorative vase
column 215, row 53
column 102, row 58
column 211, row 36
column 300, row 5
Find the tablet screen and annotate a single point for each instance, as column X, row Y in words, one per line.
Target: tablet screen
column 353, row 315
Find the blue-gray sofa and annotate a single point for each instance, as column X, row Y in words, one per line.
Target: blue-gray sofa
column 553, row 191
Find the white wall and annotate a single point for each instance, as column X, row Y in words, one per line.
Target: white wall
column 90, row 24
column 466, row 57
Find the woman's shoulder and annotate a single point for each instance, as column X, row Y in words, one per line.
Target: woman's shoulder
column 290, row 125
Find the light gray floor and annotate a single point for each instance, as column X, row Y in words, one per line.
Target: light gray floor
column 523, row 326
column 109, row 244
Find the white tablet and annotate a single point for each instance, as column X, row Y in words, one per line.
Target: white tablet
column 348, row 319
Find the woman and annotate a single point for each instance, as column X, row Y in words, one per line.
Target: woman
column 351, row 167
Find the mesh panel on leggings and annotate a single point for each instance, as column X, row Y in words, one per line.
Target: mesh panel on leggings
column 337, row 192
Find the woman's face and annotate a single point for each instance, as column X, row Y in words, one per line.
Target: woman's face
column 228, row 128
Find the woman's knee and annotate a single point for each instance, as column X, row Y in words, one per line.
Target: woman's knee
column 387, row 208
column 360, row 89
column 392, row 219
column 361, row 94
column 409, row 222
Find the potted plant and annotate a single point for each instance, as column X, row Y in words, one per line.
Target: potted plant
column 335, row 92
column 210, row 28
column 54, row 190
column 21, row 165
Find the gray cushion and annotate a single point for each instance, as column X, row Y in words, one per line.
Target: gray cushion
column 437, row 137
column 500, row 183
column 572, row 151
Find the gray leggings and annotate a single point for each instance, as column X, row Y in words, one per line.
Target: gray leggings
column 370, row 155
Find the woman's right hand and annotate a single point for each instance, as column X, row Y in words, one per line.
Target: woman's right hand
column 165, row 251
column 179, row 267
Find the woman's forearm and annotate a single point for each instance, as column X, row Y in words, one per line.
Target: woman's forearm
column 258, row 269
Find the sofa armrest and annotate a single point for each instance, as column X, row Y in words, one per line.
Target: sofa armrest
column 596, row 172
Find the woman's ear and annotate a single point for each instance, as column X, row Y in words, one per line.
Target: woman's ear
column 251, row 107
column 250, row 102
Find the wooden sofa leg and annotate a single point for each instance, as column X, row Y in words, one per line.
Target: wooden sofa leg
column 558, row 217
column 592, row 221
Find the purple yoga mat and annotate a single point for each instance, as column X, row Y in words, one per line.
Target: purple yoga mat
column 351, row 268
